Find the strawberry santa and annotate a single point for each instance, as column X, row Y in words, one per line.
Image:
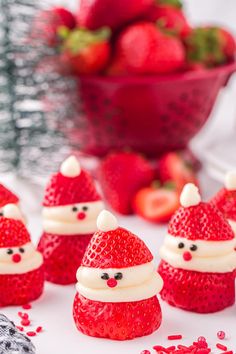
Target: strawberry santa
column 70, row 209
column 21, row 266
column 198, row 257
column 225, row 199
column 117, row 285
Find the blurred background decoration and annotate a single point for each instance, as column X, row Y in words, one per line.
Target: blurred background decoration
column 29, row 140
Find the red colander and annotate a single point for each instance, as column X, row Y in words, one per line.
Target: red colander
column 149, row 114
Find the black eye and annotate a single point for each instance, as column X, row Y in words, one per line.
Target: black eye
column 85, row 208
column 21, row 250
column 105, row 276
column 9, row 251
column 118, row 276
column 1, row 213
column 193, row 248
column 74, row 209
column 181, row 245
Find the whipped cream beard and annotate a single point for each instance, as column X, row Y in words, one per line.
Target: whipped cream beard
column 73, row 219
column 19, row 260
column 119, row 285
column 201, row 256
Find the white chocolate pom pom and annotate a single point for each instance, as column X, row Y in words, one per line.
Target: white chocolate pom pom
column 106, row 221
column 230, row 181
column 190, row 195
column 11, row 211
column 70, row 167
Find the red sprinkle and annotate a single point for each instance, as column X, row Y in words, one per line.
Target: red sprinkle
column 39, row 329
column 229, row 352
column 31, row 334
column 145, row 352
column 175, row 337
column 201, row 339
column 20, row 328
column 221, row 347
column 27, row 307
column 221, row 335
column 23, row 315
column 25, row 322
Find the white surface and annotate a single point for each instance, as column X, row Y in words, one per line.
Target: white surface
column 54, row 310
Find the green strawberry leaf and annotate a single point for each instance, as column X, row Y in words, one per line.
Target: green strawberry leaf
column 81, row 38
column 204, row 45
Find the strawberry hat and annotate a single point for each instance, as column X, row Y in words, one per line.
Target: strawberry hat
column 6, row 196
column 71, row 185
column 225, row 199
column 196, row 220
column 114, row 247
column 13, row 232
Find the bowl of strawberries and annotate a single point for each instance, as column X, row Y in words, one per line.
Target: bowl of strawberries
column 147, row 80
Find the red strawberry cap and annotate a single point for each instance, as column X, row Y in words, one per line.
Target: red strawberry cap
column 114, row 247
column 6, row 196
column 13, row 232
column 70, row 185
column 225, row 199
column 196, row 220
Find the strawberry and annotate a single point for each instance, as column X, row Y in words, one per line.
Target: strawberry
column 48, row 23
column 86, row 52
column 71, row 206
column 121, row 175
column 122, row 323
column 170, row 18
column 62, row 256
column 176, row 168
column 147, row 50
column 195, row 291
column 19, row 289
column 94, row 14
column 21, row 269
column 197, row 276
column 210, row 46
column 117, row 316
column 7, row 197
column 156, row 204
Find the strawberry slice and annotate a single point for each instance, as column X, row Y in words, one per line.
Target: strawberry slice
column 156, row 204
column 175, row 168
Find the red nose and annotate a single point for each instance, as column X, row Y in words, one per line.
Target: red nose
column 187, row 256
column 81, row 215
column 16, row 258
column 111, row 283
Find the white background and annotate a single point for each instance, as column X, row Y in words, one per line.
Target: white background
column 54, row 310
